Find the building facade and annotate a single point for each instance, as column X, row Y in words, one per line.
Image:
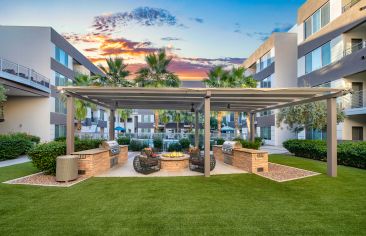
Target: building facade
column 33, row 61
column 326, row 47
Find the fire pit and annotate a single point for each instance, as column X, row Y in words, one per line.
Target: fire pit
column 174, row 161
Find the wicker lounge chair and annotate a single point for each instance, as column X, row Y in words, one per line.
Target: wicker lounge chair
column 146, row 162
column 197, row 161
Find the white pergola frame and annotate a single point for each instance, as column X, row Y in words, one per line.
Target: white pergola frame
column 250, row 100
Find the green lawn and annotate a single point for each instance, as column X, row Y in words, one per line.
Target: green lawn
column 219, row 205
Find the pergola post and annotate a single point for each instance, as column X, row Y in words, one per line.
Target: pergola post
column 252, row 126
column 207, row 133
column 111, row 124
column 332, row 137
column 70, row 127
column 196, row 129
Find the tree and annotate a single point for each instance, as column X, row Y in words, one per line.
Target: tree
column 81, row 106
column 156, row 75
column 164, row 117
column 177, row 117
column 125, row 114
column 309, row 116
column 116, row 74
column 218, row 77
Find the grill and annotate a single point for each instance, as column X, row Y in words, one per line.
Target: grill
column 114, row 150
column 228, row 150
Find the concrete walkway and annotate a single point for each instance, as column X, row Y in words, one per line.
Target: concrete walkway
column 273, row 149
column 127, row 170
column 19, row 160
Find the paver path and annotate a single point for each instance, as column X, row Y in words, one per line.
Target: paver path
column 21, row 159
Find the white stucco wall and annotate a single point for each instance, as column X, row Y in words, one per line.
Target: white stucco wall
column 335, row 9
column 30, row 115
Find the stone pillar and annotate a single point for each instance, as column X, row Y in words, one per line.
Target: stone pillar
column 332, row 137
column 196, row 130
column 70, row 126
column 207, row 135
column 111, row 125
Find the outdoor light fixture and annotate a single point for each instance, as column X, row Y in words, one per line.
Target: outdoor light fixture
column 228, row 106
column 192, row 108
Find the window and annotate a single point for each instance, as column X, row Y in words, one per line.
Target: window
column 146, row 119
column 326, row 51
column 60, row 106
column 60, row 80
column 60, row 131
column 265, row 61
column 267, row 82
column 308, row 63
column 266, row 133
column 61, row 56
column 325, row 14
column 318, row 58
column 129, row 120
column 315, row 22
column 101, row 116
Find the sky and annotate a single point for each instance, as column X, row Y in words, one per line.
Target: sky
column 197, row 34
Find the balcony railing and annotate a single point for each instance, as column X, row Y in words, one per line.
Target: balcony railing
column 356, row 99
column 350, row 4
column 339, row 54
column 23, row 72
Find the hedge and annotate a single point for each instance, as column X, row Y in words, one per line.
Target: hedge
column 137, row 145
column 43, row 156
column 185, row 143
column 14, row 145
column 175, row 147
column 158, row 143
column 123, row 140
column 348, row 153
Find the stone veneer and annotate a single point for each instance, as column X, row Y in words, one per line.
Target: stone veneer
column 96, row 161
column 174, row 164
column 246, row 159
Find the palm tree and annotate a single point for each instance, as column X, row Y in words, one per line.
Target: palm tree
column 220, row 78
column 81, row 106
column 164, row 117
column 177, row 118
column 125, row 114
column 116, row 74
column 156, row 74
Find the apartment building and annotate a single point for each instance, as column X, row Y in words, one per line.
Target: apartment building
column 326, row 47
column 331, row 52
column 33, row 61
column 273, row 65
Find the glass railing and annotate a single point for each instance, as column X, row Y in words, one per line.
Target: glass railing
column 350, row 4
column 23, row 72
column 355, row 99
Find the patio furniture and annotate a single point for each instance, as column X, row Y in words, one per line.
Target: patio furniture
column 197, row 161
column 147, row 162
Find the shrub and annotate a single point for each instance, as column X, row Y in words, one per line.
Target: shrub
column 32, row 138
column 14, row 145
column 158, row 143
column 259, row 140
column 348, row 153
column 64, row 139
column 137, row 145
column 249, row 144
column 44, row 155
column 220, row 141
column 174, row 147
column 85, row 144
column 184, row 143
column 123, row 140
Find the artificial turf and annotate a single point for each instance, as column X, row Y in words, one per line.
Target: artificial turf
column 242, row 204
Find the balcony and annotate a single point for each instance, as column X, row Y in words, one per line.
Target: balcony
column 350, row 4
column 23, row 75
column 354, row 103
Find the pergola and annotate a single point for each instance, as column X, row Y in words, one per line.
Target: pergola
column 249, row 100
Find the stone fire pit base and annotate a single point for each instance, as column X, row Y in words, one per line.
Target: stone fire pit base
column 174, row 164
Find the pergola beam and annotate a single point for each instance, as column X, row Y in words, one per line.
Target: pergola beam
column 332, row 137
column 70, row 126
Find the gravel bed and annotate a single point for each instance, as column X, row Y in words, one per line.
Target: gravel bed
column 44, row 180
column 282, row 173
